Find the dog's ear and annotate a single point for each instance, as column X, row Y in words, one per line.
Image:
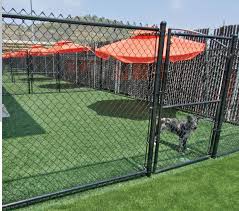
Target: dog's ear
column 191, row 118
column 198, row 118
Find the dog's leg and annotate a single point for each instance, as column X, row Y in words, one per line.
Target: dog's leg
column 184, row 143
column 180, row 146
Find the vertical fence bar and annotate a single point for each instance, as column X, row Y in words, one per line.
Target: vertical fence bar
column 220, row 113
column 156, row 93
column 163, row 74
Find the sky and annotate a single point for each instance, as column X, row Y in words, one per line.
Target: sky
column 187, row 14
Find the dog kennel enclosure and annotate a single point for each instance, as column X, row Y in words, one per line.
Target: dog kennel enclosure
column 76, row 121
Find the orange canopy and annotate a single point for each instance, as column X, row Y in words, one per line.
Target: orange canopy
column 18, row 54
column 66, row 46
column 38, row 50
column 35, row 50
column 6, row 55
column 143, row 49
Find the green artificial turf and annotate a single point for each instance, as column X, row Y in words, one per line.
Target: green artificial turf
column 210, row 185
column 57, row 140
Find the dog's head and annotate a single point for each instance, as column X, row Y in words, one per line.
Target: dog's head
column 193, row 122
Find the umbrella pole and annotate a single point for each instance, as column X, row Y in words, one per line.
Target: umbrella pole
column 119, row 76
column 28, row 74
column 45, row 66
column 101, row 73
column 94, row 71
column 53, row 65
column 31, row 73
column 76, row 70
column 115, row 76
column 130, row 79
column 11, row 70
column 88, row 72
column 58, row 71
column 109, row 77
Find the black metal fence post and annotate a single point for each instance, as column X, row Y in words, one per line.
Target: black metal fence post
column 163, row 86
column 156, row 94
column 220, row 113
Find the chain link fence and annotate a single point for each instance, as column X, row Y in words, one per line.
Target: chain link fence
column 75, row 118
column 229, row 138
column 73, row 121
column 199, row 92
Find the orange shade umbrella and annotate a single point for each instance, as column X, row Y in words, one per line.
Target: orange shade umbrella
column 66, row 46
column 6, row 55
column 35, row 50
column 38, row 50
column 18, row 54
column 143, row 49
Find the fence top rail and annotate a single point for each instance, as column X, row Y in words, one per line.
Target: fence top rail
column 77, row 22
column 201, row 36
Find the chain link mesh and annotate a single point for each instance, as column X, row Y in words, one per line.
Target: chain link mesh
column 74, row 119
column 192, row 95
column 229, row 139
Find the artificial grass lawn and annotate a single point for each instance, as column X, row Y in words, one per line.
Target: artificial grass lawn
column 55, row 140
column 209, row 185
column 59, row 140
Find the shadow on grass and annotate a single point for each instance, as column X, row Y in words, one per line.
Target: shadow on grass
column 39, row 79
column 20, row 123
column 62, row 86
column 18, row 72
column 126, row 160
column 128, row 109
column 170, row 145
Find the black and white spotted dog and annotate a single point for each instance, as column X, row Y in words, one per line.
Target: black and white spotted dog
column 181, row 128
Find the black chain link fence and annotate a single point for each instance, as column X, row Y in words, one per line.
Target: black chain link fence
column 73, row 120
column 229, row 138
column 192, row 95
column 205, row 87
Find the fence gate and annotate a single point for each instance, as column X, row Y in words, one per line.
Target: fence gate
column 65, row 127
column 74, row 119
column 192, row 98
